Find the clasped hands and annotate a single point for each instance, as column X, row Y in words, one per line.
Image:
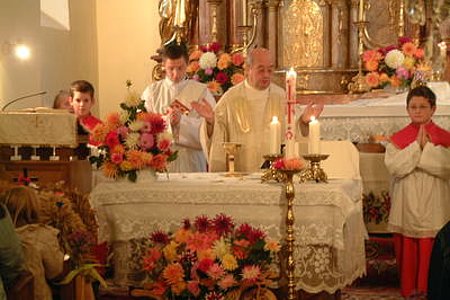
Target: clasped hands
column 422, row 137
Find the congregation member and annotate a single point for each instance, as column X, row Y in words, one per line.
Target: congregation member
column 418, row 158
column 62, row 101
column 11, row 254
column 245, row 111
column 43, row 256
column 182, row 100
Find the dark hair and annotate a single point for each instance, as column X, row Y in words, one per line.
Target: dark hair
column 422, row 91
column 175, row 51
column 82, row 86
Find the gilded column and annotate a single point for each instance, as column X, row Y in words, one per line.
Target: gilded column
column 272, row 28
column 325, row 7
column 353, row 32
column 232, row 23
column 257, row 8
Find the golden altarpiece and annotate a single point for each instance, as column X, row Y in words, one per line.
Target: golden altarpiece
column 319, row 38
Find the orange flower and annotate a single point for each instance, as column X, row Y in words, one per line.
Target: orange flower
column 99, row 133
column 182, row 235
column 224, row 61
column 113, row 121
column 409, row 49
column 237, row 59
column 158, row 162
column 118, row 149
column 109, row 170
column 179, row 287
column 193, row 67
column 395, row 81
column 384, row 77
column 371, row 55
column 237, row 78
column 373, row 79
column 173, row 273
column 371, row 65
column 213, row 86
column 195, row 55
column 135, row 157
column 420, row 53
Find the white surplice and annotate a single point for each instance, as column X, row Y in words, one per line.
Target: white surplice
column 243, row 116
column 420, row 191
column 190, row 133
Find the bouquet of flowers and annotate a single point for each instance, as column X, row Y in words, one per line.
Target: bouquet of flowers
column 218, row 69
column 210, row 259
column 395, row 65
column 132, row 140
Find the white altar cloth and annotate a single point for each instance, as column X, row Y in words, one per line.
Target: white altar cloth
column 329, row 228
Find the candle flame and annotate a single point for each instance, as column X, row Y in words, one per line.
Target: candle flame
column 313, row 119
column 274, row 119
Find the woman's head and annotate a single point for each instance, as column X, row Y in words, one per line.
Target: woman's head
column 23, row 205
column 62, row 100
column 421, row 104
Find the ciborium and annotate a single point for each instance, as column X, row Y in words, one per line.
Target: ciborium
column 231, row 150
column 271, row 173
column 314, row 172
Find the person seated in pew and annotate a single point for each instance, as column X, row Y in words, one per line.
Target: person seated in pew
column 62, row 101
column 11, row 254
column 418, row 158
column 244, row 112
column 43, row 256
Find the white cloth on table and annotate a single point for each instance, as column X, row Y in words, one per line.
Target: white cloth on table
column 420, row 190
column 192, row 128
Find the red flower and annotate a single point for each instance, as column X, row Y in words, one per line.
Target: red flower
column 202, row 223
column 223, row 224
column 112, row 139
column 221, row 78
column 205, row 264
column 159, row 237
column 214, row 47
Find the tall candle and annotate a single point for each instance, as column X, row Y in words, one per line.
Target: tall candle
column 314, row 136
column 275, row 136
column 291, row 82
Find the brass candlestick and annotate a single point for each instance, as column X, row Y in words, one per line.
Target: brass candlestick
column 290, row 239
column 231, row 150
column 359, row 84
column 271, row 173
column 314, row 172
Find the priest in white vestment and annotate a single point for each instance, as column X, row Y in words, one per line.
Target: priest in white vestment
column 244, row 113
column 175, row 94
column 418, row 158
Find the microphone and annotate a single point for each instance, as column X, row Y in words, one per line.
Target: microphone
column 21, row 98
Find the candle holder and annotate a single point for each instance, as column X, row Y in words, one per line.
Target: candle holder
column 16, row 155
column 271, row 173
column 359, row 84
column 231, row 150
column 290, row 219
column 314, row 172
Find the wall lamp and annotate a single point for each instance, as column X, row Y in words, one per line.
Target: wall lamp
column 18, row 49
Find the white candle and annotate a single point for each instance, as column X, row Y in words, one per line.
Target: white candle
column 291, row 83
column 314, row 136
column 275, row 136
column 290, row 149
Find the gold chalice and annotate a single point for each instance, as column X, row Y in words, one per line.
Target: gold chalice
column 314, row 172
column 231, row 150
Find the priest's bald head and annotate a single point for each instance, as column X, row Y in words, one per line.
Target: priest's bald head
column 259, row 68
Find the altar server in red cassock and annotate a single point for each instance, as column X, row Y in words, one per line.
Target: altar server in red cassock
column 418, row 158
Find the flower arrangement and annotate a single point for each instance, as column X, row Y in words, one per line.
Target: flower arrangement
column 395, row 65
column 292, row 164
column 219, row 70
column 210, row 259
column 132, row 140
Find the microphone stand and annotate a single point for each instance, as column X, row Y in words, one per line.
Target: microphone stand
column 21, row 98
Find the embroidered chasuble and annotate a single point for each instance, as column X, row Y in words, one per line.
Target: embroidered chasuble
column 243, row 115
column 190, row 134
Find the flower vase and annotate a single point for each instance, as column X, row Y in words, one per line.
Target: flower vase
column 147, row 175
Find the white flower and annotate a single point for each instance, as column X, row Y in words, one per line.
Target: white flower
column 136, row 125
column 208, row 60
column 394, row 59
column 132, row 140
column 123, row 116
column 133, row 99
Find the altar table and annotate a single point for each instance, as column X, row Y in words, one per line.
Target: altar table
column 329, row 228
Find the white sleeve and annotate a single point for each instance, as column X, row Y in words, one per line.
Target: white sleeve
column 147, row 96
column 401, row 162
column 435, row 160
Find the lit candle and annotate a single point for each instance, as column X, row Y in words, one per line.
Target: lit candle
column 361, row 10
column 314, row 136
column 275, row 136
column 291, row 83
column 244, row 13
column 290, row 149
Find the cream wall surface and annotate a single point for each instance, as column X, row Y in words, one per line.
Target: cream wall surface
column 58, row 56
column 127, row 36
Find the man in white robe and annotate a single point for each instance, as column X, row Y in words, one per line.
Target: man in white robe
column 175, row 94
column 244, row 112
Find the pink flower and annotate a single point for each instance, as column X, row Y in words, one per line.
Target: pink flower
column 122, row 132
column 116, row 158
column 146, row 141
column 209, row 71
column 227, row 282
column 251, row 273
column 196, row 77
column 147, row 127
column 402, row 73
column 215, row 271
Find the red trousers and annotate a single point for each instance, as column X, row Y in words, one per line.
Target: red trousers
column 413, row 260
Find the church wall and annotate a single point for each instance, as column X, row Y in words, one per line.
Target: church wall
column 127, row 36
column 58, row 56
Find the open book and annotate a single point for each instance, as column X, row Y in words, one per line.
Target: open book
column 192, row 92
